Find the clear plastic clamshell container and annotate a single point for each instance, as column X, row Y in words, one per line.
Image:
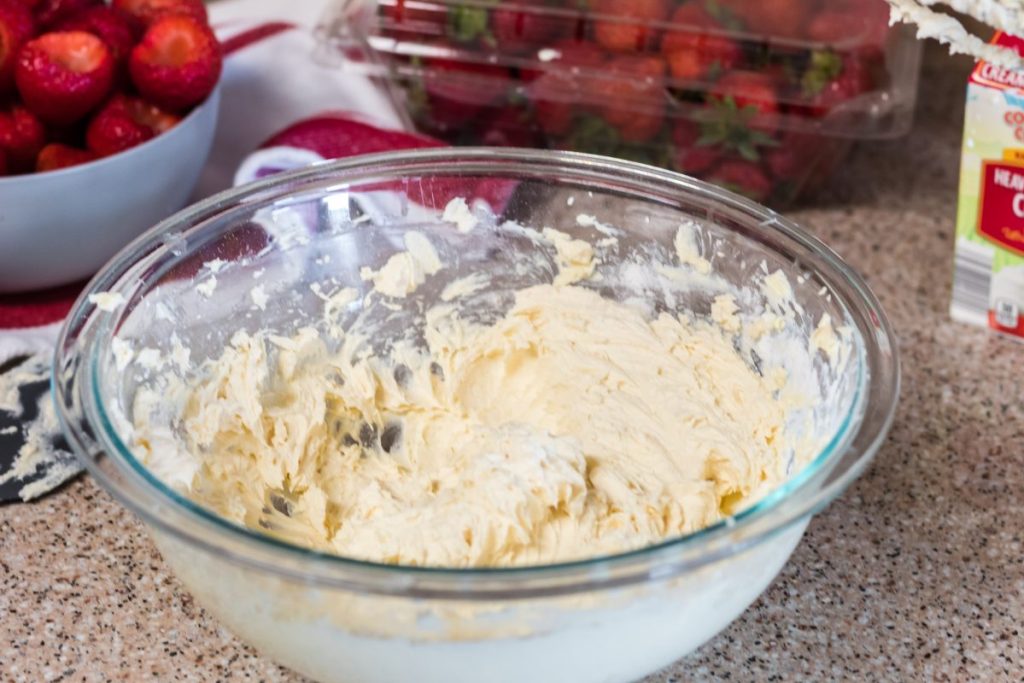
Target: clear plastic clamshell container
column 761, row 96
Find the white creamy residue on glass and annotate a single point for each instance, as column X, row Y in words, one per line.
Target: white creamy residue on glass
column 455, row 445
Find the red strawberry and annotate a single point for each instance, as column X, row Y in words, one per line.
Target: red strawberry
column 693, row 155
column 149, row 115
column 750, row 92
column 780, row 18
column 458, row 91
column 876, row 23
column 16, row 28
column 523, row 28
column 112, row 130
column 56, row 156
column 574, row 53
column 695, row 54
column 62, row 76
column 22, row 135
column 830, row 27
column 697, row 160
column 115, row 28
column 399, row 16
column 51, row 12
column 623, row 25
column 125, row 122
column 177, row 63
column 568, row 79
column 553, row 102
column 792, row 160
column 148, row 11
column 831, row 81
column 566, row 55
column 634, row 97
column 743, row 177
column 510, row 128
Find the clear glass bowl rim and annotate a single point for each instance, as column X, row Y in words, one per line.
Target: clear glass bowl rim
column 869, row 420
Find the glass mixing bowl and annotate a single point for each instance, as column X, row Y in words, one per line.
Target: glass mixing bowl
column 247, row 259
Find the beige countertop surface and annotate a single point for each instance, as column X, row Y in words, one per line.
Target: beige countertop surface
column 915, row 573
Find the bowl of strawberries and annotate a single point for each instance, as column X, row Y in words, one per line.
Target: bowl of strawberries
column 107, row 115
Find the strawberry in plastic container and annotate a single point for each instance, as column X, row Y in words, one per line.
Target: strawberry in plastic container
column 700, row 47
column 754, row 93
column 457, row 92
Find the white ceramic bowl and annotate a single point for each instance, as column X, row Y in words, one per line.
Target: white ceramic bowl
column 61, row 226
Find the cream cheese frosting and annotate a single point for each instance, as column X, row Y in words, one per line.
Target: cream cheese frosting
column 572, row 426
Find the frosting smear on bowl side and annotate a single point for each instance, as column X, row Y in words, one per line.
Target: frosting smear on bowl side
column 572, row 426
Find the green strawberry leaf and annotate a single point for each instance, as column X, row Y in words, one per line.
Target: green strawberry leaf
column 748, row 151
column 725, row 125
column 467, row 24
column 824, row 68
column 712, row 137
column 723, row 15
column 762, row 139
column 594, row 134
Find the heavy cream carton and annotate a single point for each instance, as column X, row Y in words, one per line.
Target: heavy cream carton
column 988, row 279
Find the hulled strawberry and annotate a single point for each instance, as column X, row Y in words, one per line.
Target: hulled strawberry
column 148, row 11
column 22, row 135
column 112, row 131
column 51, row 12
column 625, row 25
column 16, row 28
column 56, row 156
column 701, row 49
column 743, row 177
column 125, row 122
column 177, row 63
column 115, row 28
column 63, row 75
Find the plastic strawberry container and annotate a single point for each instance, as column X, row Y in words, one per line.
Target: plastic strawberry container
column 760, row 96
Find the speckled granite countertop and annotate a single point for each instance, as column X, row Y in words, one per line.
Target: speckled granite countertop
column 916, row 573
